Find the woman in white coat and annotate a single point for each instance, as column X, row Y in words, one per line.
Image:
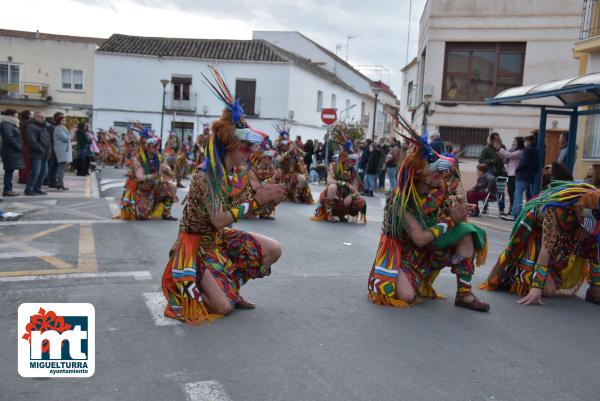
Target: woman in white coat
column 63, row 151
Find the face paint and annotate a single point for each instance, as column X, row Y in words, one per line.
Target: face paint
column 246, row 147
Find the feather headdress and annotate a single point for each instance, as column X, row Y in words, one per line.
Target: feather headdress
column 220, row 89
column 283, row 130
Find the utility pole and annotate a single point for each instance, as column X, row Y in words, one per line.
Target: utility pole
column 164, row 83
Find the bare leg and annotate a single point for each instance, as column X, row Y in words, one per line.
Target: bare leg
column 271, row 250
column 214, row 296
column 301, row 180
column 404, row 289
column 348, row 201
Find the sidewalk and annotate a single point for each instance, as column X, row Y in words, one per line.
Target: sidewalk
column 79, row 187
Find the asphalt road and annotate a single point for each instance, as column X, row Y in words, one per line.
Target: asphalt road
column 313, row 336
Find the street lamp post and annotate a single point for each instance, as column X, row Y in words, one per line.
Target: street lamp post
column 164, row 83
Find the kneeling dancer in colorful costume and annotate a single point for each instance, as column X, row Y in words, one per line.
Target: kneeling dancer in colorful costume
column 553, row 246
column 210, row 261
column 148, row 193
column 261, row 172
column 342, row 197
column 422, row 233
column 291, row 168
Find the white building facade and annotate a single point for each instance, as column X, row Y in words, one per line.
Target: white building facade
column 470, row 51
column 273, row 85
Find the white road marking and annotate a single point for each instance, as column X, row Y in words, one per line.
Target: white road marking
column 104, row 187
column 209, row 390
column 34, row 253
column 382, row 202
column 50, row 222
column 137, row 275
column 155, row 302
column 107, row 180
column 112, row 204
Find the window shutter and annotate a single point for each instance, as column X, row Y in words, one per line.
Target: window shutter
column 245, row 92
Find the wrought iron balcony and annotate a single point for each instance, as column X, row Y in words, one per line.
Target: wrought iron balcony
column 174, row 104
column 590, row 20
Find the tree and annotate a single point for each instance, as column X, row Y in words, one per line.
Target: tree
column 352, row 130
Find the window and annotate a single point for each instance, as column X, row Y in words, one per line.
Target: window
column 471, row 139
column 476, row 71
column 71, row 79
column 410, row 97
column 183, row 130
column 591, row 148
column 181, row 87
column 319, row 100
column 10, row 77
column 333, row 99
column 245, row 90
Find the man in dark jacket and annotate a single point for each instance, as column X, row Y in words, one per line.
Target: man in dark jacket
column 364, row 159
column 52, row 163
column 491, row 158
column 39, row 143
column 524, row 176
column 12, row 149
column 372, row 169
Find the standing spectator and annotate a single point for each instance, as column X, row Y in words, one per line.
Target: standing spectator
column 24, row 119
column 490, row 157
column 511, row 158
column 381, row 169
column 524, row 176
column 391, row 163
column 52, row 163
column 40, row 147
column 62, row 150
column 319, row 152
column 486, row 184
column 12, row 149
column 298, row 142
column 309, row 150
column 564, row 149
column 372, row 169
column 83, row 150
column 364, row 158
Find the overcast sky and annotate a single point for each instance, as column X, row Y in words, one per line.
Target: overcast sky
column 380, row 27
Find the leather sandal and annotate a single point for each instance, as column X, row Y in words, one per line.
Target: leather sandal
column 475, row 304
column 243, row 304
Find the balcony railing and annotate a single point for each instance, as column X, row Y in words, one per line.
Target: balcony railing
column 24, row 90
column 590, row 20
column 171, row 103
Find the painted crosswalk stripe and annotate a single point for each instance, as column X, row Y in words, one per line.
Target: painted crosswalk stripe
column 155, row 302
column 209, row 390
column 137, row 275
column 47, row 222
column 112, row 204
column 105, row 187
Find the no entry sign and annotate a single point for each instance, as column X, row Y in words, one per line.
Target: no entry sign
column 329, row 116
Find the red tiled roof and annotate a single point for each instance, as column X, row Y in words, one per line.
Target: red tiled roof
column 49, row 36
